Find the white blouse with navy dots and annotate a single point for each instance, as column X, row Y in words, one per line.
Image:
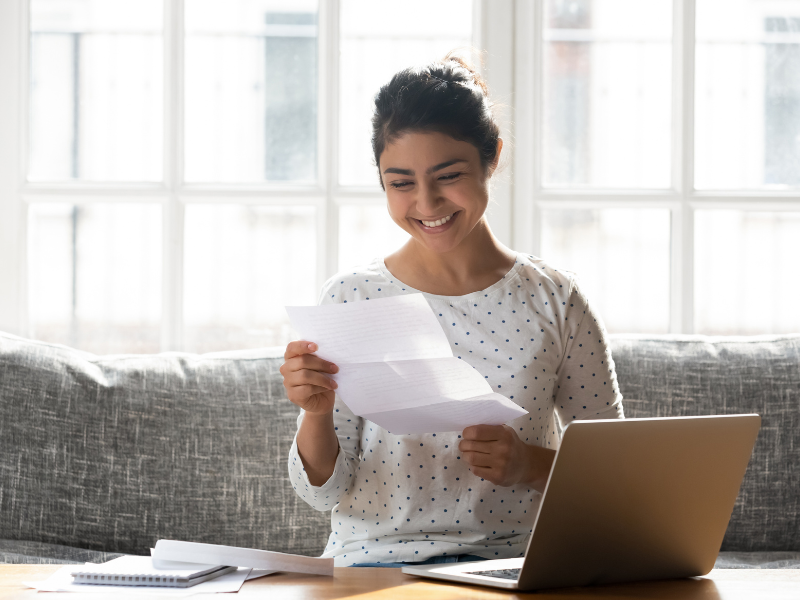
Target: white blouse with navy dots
column 406, row 498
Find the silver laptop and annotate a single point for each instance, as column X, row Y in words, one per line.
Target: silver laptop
column 628, row 500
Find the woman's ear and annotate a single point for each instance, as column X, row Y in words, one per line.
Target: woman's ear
column 496, row 161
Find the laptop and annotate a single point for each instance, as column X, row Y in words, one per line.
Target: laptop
column 626, row 500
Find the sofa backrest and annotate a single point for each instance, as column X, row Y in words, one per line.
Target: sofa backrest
column 673, row 376
column 115, row 452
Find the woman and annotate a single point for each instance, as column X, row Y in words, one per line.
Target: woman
column 525, row 326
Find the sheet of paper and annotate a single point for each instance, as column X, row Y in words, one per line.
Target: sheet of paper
column 396, row 328
column 61, row 581
column 396, row 367
column 454, row 415
column 241, row 557
column 166, row 564
column 375, row 387
column 145, row 565
column 256, row 573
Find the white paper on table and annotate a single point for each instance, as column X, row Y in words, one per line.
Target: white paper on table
column 147, row 566
column 241, row 557
column 396, row 368
column 254, row 573
column 61, row 581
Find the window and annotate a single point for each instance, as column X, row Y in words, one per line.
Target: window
column 185, row 177
column 666, row 172
column 183, row 170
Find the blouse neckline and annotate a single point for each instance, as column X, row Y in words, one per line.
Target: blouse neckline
column 497, row 285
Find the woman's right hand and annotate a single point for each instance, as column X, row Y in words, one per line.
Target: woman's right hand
column 305, row 377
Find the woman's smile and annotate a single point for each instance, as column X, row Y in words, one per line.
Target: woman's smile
column 437, row 225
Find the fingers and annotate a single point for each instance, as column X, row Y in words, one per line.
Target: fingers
column 485, row 473
column 305, row 377
column 479, row 459
column 307, row 361
column 473, row 446
column 299, row 347
column 484, row 433
column 301, row 393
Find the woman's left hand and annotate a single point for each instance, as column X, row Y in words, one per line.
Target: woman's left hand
column 495, row 453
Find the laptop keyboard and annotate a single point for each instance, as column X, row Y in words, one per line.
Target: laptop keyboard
column 500, row 573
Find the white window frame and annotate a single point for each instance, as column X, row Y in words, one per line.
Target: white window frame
column 531, row 197
column 510, row 34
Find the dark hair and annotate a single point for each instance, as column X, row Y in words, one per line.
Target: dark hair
column 447, row 96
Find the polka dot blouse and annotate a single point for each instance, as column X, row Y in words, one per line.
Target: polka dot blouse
column 406, row 498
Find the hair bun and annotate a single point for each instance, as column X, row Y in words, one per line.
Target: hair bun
column 447, row 96
column 454, row 57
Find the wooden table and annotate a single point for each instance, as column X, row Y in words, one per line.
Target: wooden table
column 391, row 584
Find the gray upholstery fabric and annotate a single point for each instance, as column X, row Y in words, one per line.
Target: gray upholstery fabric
column 758, row 560
column 113, row 453
column 695, row 375
column 24, row 552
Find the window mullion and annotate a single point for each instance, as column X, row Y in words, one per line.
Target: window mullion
column 13, row 74
column 682, row 214
column 172, row 233
column 686, row 264
column 676, row 304
column 494, row 21
column 527, row 109
column 328, row 219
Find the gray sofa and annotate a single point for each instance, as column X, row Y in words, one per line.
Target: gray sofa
column 106, row 454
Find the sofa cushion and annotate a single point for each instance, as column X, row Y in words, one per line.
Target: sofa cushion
column 758, row 560
column 112, row 453
column 25, row 552
column 696, row 375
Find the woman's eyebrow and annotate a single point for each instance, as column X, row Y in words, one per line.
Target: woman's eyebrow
column 433, row 169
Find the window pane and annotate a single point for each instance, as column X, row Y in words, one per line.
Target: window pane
column 745, row 272
column 251, row 90
column 96, row 90
column 95, row 276
column 747, row 94
column 621, row 257
column 242, row 265
column 607, row 87
column 377, row 40
column 367, row 232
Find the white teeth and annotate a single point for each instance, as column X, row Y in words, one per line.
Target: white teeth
column 438, row 222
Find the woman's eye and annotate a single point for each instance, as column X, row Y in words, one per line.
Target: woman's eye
column 399, row 184
column 449, row 176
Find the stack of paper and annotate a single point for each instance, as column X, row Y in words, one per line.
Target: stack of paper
column 396, row 367
column 170, row 550
column 169, row 555
column 140, row 570
column 62, row 580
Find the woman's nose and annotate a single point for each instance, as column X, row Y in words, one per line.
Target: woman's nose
column 428, row 199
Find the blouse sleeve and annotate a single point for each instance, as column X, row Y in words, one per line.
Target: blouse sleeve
column 348, row 430
column 586, row 386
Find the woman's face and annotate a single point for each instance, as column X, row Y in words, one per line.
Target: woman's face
column 436, row 188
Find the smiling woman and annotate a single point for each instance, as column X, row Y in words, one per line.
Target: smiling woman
column 441, row 204
column 437, row 144
column 523, row 325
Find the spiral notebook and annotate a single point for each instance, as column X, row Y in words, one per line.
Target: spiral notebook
column 139, row 571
